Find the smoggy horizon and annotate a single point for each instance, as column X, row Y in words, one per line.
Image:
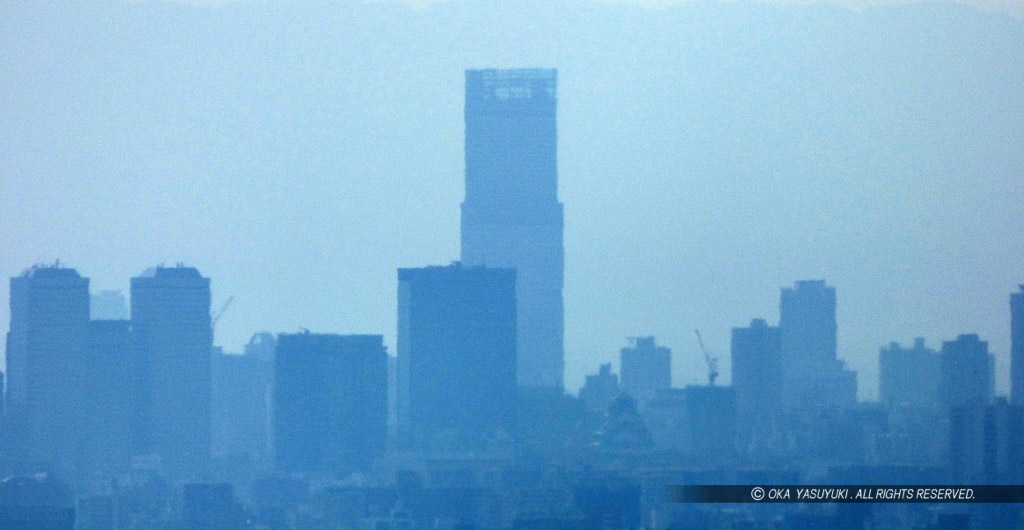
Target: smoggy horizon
column 709, row 155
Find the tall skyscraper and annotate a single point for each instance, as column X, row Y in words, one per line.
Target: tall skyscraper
column 330, row 402
column 812, row 376
column 1017, row 347
column 456, row 355
column 173, row 338
column 909, row 376
column 46, row 346
column 646, row 368
column 107, row 398
column 756, row 380
column 511, row 216
column 968, row 372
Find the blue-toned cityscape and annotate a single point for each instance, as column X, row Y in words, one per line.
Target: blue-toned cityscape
column 125, row 410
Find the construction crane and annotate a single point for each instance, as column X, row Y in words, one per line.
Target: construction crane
column 216, row 316
column 712, row 362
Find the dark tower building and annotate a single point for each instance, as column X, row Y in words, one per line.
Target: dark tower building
column 909, row 376
column 46, row 346
column 711, row 414
column 811, row 374
column 600, row 389
column 330, row 402
column 107, row 396
column 511, row 216
column 456, row 355
column 646, row 368
column 173, row 338
column 1017, row 347
column 756, row 380
column 968, row 372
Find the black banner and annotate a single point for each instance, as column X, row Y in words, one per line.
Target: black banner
column 842, row 494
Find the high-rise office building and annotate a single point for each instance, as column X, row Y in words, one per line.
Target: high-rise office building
column 968, row 372
column 711, row 415
column 330, row 402
column 1017, row 347
column 107, row 398
column 812, row 376
column 46, row 346
column 173, row 338
column 108, row 305
column 511, row 216
column 456, row 355
column 756, row 380
column 600, row 389
column 237, row 406
column 646, row 368
column 240, row 401
column 909, row 376
column 807, row 319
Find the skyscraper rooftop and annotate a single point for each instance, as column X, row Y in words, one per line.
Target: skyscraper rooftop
column 519, row 83
column 50, row 271
column 178, row 271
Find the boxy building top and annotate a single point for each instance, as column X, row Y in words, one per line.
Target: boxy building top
column 55, row 271
column 513, row 84
column 179, row 271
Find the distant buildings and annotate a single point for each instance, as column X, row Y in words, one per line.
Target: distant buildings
column 170, row 311
column 909, row 376
column 646, row 368
column 330, row 402
column 986, row 442
column 210, row 507
column 711, row 414
column 696, row 423
column 108, row 393
column 812, row 376
column 968, row 372
column 240, row 401
column 667, row 419
column 108, row 305
column 600, row 389
column 46, row 346
column 1017, row 347
column 756, row 379
column 456, row 355
column 511, row 216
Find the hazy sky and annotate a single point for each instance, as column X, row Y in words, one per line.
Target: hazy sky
column 1009, row 6
column 710, row 154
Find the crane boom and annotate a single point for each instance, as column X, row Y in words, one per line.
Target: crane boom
column 712, row 362
column 220, row 313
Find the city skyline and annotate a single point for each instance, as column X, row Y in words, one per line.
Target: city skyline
column 676, row 203
column 124, row 412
